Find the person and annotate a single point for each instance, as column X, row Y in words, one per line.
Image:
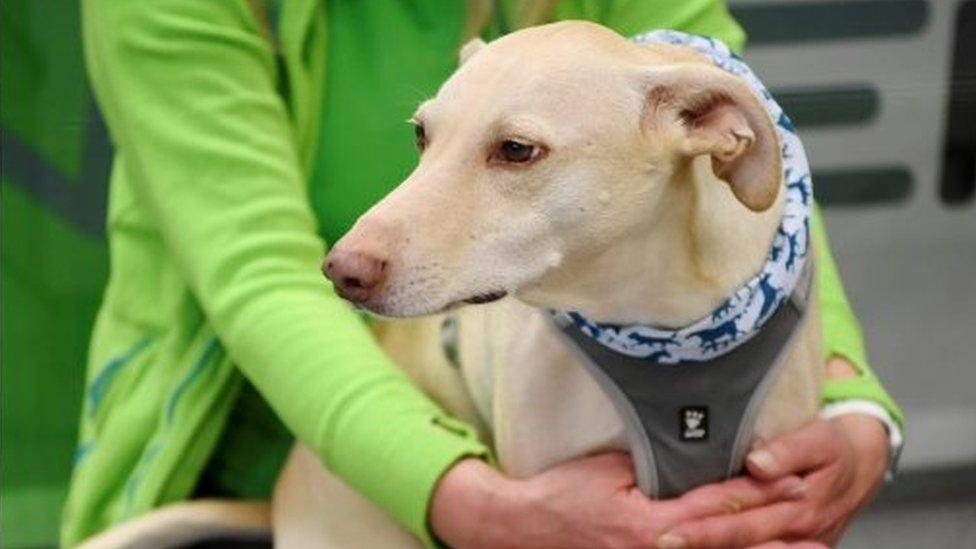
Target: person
column 247, row 135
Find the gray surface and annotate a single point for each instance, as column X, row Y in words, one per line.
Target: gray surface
column 934, row 510
column 938, row 525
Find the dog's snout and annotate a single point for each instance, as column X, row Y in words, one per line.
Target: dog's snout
column 357, row 275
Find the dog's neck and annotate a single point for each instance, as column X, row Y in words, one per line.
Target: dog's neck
column 701, row 246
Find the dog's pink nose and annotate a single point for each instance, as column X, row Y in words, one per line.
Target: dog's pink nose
column 357, row 275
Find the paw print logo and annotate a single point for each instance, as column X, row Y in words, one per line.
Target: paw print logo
column 694, row 423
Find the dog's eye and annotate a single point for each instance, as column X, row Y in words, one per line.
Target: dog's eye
column 420, row 137
column 516, row 152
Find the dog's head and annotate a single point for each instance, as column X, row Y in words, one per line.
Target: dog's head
column 543, row 150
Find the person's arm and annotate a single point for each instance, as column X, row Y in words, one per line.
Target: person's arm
column 188, row 91
column 853, row 387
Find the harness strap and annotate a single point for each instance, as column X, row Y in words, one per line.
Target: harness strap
column 691, row 424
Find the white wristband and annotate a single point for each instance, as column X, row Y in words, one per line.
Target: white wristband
column 873, row 409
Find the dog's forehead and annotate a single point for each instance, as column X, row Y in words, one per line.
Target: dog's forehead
column 540, row 53
column 531, row 74
column 565, row 35
column 541, row 72
column 557, row 69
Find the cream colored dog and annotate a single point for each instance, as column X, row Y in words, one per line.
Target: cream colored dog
column 571, row 169
column 568, row 168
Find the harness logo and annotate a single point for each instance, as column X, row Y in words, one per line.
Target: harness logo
column 693, row 423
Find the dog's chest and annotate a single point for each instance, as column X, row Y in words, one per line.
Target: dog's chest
column 542, row 405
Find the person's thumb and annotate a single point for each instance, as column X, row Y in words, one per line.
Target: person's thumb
column 793, row 453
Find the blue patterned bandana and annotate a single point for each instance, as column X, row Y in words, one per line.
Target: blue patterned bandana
column 742, row 315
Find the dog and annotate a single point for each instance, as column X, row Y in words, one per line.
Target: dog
column 562, row 168
column 565, row 173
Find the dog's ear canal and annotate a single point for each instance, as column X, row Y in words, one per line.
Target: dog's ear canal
column 717, row 114
column 468, row 50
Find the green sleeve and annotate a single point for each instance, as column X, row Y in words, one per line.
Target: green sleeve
column 188, row 91
column 841, row 330
column 842, row 333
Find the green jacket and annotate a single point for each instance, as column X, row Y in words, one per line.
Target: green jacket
column 215, row 254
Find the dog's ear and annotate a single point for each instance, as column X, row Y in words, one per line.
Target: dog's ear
column 472, row 47
column 719, row 115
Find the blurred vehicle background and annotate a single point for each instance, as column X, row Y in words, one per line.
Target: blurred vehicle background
column 883, row 91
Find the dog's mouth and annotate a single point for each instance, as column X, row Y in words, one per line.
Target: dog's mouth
column 487, row 297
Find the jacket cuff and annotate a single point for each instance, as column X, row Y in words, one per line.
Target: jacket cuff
column 444, row 442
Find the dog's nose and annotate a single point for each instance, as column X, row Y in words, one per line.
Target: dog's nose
column 356, row 275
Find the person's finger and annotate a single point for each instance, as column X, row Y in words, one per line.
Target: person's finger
column 739, row 530
column 620, row 464
column 607, row 470
column 732, row 496
column 794, row 453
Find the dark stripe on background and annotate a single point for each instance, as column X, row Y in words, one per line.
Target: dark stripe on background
column 772, row 23
column 959, row 148
column 834, row 105
column 81, row 202
column 863, row 185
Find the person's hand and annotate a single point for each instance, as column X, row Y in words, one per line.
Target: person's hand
column 590, row 503
column 842, row 463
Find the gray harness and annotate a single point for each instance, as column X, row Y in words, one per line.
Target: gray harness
column 691, row 424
